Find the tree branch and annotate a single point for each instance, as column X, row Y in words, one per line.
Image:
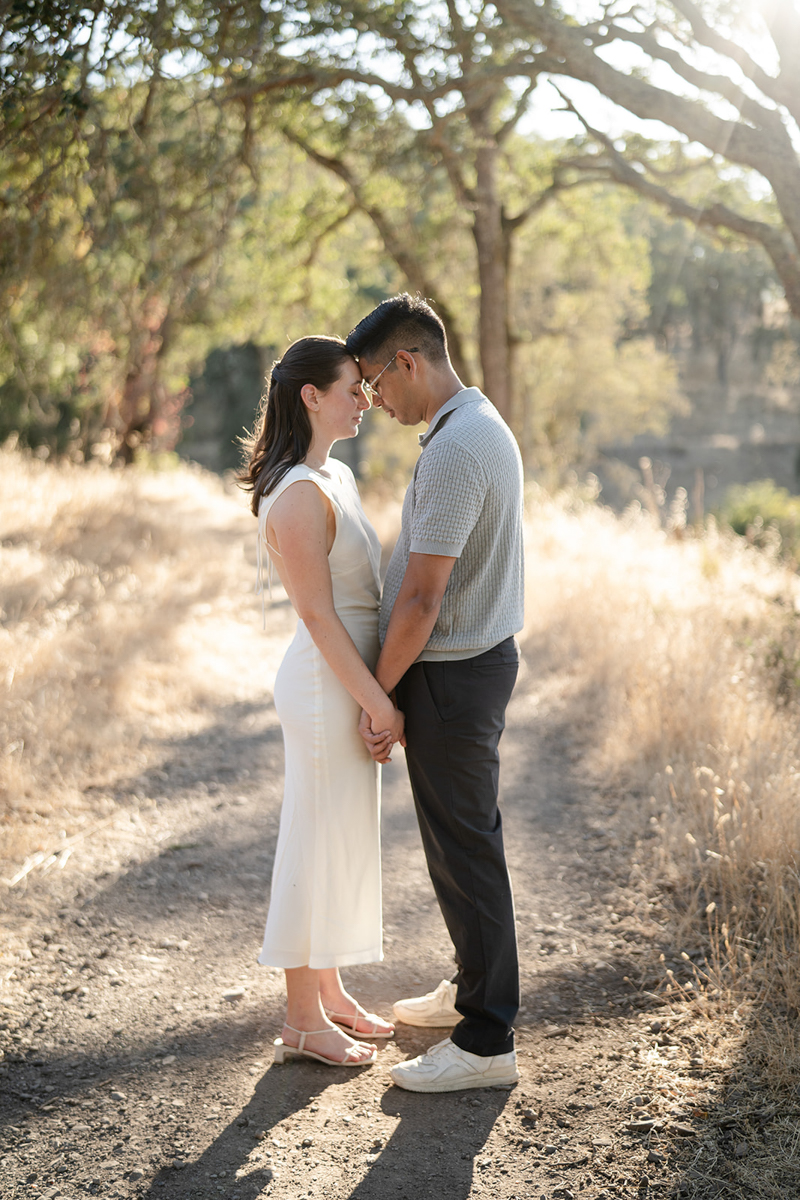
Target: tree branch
column 462, row 38
column 319, row 78
column 437, row 139
column 723, row 85
column 779, row 90
column 777, row 245
column 549, row 193
column 330, row 228
column 519, row 111
column 768, row 150
column 248, row 142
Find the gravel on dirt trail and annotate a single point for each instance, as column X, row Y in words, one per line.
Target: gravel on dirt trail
column 137, row 1029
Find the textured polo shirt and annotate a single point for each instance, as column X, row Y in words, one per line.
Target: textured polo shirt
column 465, row 501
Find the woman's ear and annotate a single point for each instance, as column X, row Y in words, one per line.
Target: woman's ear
column 309, row 396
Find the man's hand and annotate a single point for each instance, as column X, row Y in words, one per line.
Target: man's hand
column 378, row 744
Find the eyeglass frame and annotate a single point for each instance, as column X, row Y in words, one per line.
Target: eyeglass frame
column 369, row 388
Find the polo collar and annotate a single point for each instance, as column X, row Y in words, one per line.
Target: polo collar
column 468, row 395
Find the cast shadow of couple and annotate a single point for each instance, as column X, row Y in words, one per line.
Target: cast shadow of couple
column 432, row 1148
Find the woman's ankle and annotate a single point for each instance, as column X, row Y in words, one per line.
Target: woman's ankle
column 306, row 1019
column 332, row 1000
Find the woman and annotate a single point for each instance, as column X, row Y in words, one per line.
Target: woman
column 325, row 907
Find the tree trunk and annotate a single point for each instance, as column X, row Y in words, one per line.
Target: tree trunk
column 490, row 241
column 142, row 392
column 135, row 408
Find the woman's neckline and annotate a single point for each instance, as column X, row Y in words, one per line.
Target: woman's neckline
column 323, row 470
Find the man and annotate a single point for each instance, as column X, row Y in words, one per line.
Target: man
column 452, row 602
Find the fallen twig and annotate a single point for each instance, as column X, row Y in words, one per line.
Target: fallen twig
column 48, row 858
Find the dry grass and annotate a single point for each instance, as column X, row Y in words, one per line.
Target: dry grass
column 686, row 664
column 128, row 619
column 126, row 616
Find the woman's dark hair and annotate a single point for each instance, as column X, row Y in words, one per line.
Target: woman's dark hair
column 282, row 433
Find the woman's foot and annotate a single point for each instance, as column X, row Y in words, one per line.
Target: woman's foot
column 354, row 1019
column 331, row 1045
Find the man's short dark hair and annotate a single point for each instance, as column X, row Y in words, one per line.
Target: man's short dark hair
column 401, row 323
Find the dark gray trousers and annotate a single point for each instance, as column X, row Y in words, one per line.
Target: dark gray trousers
column 455, row 714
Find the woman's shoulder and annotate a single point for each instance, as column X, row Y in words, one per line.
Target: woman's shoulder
column 298, row 473
column 334, row 476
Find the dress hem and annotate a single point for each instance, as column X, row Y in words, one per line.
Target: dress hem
column 289, row 961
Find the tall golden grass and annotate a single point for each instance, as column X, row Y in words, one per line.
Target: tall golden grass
column 685, row 659
column 126, row 617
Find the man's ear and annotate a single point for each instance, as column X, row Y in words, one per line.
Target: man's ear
column 308, row 394
column 407, row 363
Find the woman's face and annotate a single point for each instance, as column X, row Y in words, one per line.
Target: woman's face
column 341, row 406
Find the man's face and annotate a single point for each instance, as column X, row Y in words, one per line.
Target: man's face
column 395, row 387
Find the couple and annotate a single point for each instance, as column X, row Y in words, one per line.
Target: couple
column 438, row 683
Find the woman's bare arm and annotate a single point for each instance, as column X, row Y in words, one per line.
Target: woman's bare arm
column 299, row 530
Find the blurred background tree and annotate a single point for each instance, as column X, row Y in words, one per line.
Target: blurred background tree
column 189, row 177
column 709, row 292
column 434, row 128
column 120, row 189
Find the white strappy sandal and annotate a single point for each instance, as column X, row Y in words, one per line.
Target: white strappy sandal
column 282, row 1051
column 348, row 1022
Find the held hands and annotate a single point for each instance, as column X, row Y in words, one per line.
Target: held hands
column 381, row 730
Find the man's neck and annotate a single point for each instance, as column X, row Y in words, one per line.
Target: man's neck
column 444, row 386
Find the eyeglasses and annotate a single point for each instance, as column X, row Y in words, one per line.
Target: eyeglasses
column 370, row 389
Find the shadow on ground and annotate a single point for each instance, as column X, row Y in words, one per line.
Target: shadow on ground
column 404, row 1167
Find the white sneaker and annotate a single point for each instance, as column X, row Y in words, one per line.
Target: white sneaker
column 432, row 1011
column 447, row 1068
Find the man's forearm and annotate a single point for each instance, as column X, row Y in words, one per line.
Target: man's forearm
column 414, row 615
column 410, row 626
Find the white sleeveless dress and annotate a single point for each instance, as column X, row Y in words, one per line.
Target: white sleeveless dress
column 325, row 905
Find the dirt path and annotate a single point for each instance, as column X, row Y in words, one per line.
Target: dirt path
column 138, row 1029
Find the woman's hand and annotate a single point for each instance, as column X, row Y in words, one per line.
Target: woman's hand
column 380, row 731
column 379, row 744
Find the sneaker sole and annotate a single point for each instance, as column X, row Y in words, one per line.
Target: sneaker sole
column 501, row 1079
column 439, row 1021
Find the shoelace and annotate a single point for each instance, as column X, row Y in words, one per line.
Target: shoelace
column 430, row 1055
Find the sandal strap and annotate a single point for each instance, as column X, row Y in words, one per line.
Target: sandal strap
column 304, row 1033
column 349, row 1020
column 352, row 1020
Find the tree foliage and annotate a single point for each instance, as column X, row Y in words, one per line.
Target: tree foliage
column 708, row 294
column 441, row 96
column 581, row 294
column 122, row 181
column 178, row 175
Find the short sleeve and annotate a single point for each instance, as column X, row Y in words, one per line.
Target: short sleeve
column 449, row 493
